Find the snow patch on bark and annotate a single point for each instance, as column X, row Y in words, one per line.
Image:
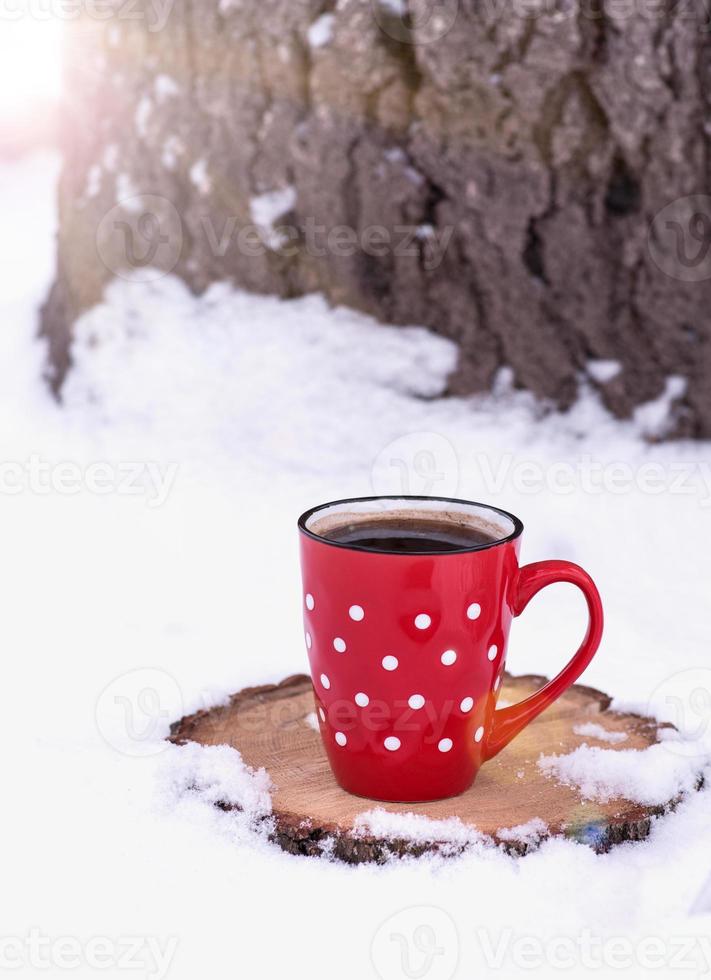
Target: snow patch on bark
column 266, row 209
column 655, row 417
column 172, row 149
column 142, row 115
column 127, row 194
column 93, row 181
column 321, row 31
column 200, row 177
column 165, row 86
column 603, row 371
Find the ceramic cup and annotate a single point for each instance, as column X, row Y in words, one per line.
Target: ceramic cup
column 407, row 651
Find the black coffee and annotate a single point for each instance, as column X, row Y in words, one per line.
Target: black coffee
column 409, row 536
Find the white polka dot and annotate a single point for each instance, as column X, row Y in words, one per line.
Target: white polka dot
column 445, row 744
column 341, row 738
column 391, row 743
column 466, row 704
column 339, row 645
column 474, row 611
column 479, row 734
column 422, row 621
column 362, row 700
column 416, row 701
column 308, row 641
column 493, row 650
column 356, row 613
column 390, row 663
column 448, row 658
column 321, row 714
column 497, row 683
column 325, row 681
column 309, row 601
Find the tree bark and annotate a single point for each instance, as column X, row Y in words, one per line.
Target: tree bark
column 501, row 169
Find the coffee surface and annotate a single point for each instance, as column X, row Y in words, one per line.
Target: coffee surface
column 409, row 536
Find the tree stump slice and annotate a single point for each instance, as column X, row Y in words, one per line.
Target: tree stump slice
column 273, row 728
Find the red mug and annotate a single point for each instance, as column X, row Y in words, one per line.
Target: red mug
column 407, row 651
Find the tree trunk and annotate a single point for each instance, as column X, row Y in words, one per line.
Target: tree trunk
column 526, row 177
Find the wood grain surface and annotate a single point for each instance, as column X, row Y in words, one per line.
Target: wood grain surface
column 273, row 727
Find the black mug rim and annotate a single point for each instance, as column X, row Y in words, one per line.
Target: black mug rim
column 517, row 523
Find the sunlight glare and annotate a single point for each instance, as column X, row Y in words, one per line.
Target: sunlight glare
column 30, row 69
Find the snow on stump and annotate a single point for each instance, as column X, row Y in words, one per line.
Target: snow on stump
column 580, row 771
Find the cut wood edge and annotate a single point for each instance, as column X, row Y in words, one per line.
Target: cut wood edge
column 297, row 834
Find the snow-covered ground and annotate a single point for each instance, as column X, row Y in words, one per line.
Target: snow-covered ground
column 150, row 568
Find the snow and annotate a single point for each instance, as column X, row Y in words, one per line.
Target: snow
column 110, row 156
column 173, row 147
column 218, row 775
column 266, row 209
column 321, row 31
column 143, row 112
column 530, row 832
column 416, row 828
column 653, row 776
column 450, row 835
column 93, row 181
column 591, row 730
column 602, row 371
column 165, row 87
column 119, row 616
column 200, row 177
column 127, row 193
column 396, row 7
column 653, row 417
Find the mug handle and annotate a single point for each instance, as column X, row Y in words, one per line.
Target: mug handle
column 530, row 579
